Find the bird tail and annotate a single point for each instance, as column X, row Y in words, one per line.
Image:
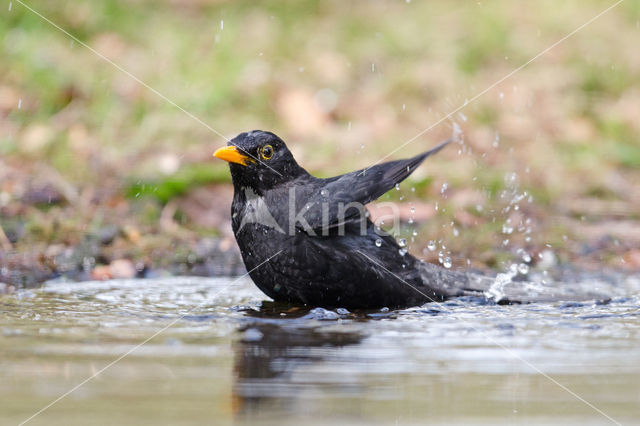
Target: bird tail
column 503, row 290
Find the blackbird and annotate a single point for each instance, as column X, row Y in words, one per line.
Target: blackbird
column 310, row 241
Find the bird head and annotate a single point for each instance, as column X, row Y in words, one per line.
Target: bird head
column 259, row 160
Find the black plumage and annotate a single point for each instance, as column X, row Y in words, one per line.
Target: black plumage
column 327, row 251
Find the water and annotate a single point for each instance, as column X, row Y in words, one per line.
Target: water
column 226, row 358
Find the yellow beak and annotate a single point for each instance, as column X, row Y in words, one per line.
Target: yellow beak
column 232, row 155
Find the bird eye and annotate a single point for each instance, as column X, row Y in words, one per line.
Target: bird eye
column 266, row 152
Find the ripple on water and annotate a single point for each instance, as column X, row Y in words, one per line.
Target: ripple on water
column 291, row 352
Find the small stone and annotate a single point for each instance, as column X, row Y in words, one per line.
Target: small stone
column 122, row 268
column 101, row 272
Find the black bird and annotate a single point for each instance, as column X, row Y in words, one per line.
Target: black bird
column 309, row 240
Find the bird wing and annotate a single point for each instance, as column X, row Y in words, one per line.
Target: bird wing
column 328, row 203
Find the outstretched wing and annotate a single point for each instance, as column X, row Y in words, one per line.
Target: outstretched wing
column 336, row 200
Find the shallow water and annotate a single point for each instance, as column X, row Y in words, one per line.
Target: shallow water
column 226, row 358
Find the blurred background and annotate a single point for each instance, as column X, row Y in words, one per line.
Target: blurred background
column 100, row 177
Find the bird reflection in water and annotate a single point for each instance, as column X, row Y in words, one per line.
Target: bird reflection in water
column 276, row 346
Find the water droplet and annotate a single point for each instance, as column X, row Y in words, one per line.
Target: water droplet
column 397, row 187
column 526, row 257
column 507, row 229
column 404, row 107
column 414, row 233
column 10, row 5
column 444, row 187
column 456, row 232
column 496, row 140
column 410, row 221
column 221, row 24
column 324, row 192
column 378, row 242
column 402, row 242
column 402, row 251
column 431, row 245
column 413, row 189
column 373, row 67
column 413, row 209
column 523, row 268
column 446, row 262
column 19, row 103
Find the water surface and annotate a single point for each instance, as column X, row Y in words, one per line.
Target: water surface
column 226, row 357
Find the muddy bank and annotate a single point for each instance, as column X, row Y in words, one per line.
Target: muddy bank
column 96, row 259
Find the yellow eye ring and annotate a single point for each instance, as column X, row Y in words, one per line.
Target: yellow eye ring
column 266, row 152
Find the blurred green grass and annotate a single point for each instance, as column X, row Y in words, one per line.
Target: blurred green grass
column 343, row 82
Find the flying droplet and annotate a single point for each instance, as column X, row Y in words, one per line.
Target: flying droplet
column 324, row 192
column 402, row 242
column 378, row 242
column 221, row 24
column 397, row 187
column 523, row 268
column 431, row 245
column 446, row 262
column 402, row 251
